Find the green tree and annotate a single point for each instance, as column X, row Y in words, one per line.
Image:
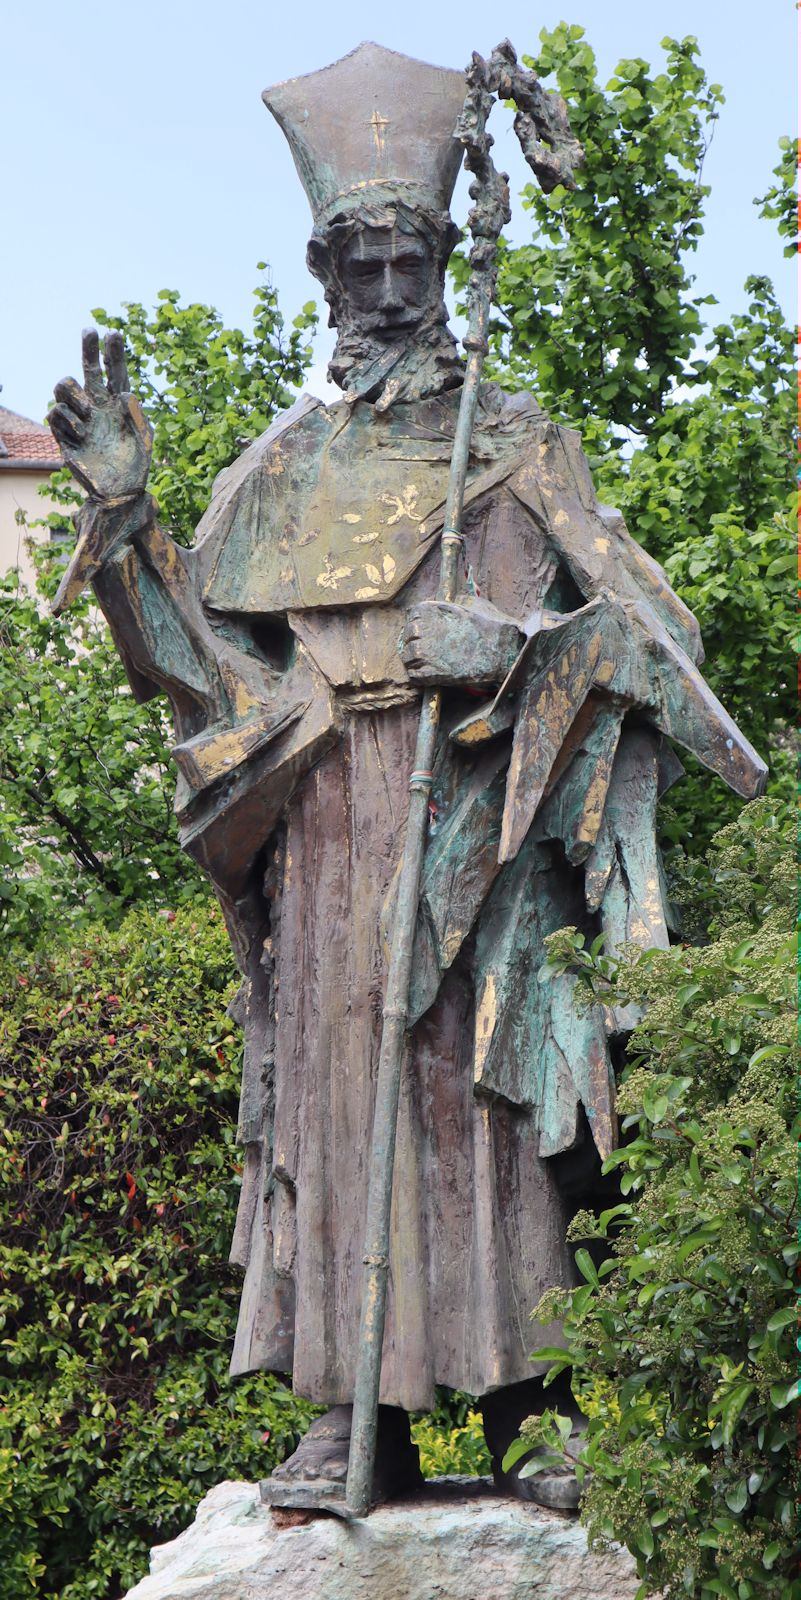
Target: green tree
column 86, row 782
column 86, row 824
column 207, row 389
column 599, row 315
column 711, row 495
column 781, row 200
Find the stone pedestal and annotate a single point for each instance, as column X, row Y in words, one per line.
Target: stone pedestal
column 456, row 1540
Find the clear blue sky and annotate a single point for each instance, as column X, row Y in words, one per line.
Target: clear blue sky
column 138, row 154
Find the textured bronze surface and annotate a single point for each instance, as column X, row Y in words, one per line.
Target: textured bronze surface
column 295, row 643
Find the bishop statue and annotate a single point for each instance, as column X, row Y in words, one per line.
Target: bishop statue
column 294, row 642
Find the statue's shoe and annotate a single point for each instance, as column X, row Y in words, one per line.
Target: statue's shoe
column 313, row 1478
column 504, row 1411
column 555, row 1487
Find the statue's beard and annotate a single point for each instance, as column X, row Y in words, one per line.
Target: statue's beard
column 422, row 361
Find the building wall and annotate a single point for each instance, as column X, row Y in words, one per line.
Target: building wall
column 18, row 492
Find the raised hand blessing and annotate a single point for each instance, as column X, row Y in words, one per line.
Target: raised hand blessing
column 104, row 435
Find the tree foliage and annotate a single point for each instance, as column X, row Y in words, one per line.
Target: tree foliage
column 688, row 428
column 681, row 1341
column 781, row 200
column 598, row 317
column 86, row 823
column 86, row 781
column 711, row 495
column 207, row 389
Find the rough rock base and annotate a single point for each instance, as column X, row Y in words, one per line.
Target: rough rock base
column 456, row 1540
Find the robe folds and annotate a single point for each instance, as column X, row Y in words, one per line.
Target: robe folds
column 289, row 614
column 478, row 1224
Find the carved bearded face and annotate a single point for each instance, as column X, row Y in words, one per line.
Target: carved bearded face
column 383, row 278
column 386, row 274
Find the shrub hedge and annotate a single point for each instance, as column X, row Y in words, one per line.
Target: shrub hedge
column 118, row 1181
column 682, row 1335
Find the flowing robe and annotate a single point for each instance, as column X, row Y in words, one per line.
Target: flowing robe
column 314, row 545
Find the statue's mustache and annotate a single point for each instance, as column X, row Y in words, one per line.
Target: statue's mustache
column 409, row 361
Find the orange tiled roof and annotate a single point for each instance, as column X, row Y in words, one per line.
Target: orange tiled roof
column 25, row 443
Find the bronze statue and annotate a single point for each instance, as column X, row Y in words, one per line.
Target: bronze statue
column 295, row 642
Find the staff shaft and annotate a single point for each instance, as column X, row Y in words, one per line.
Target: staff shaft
column 364, row 1427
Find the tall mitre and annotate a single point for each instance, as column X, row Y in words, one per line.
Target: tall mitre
column 374, row 125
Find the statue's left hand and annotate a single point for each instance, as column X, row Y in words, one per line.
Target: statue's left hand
column 622, row 652
column 469, row 643
column 105, row 437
